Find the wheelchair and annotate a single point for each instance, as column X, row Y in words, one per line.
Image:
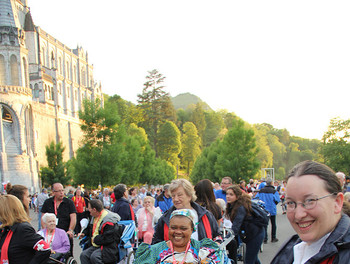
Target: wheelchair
column 65, row 259
column 128, row 242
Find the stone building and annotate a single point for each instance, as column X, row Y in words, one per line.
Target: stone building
column 42, row 86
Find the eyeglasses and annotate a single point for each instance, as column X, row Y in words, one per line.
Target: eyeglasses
column 308, row 204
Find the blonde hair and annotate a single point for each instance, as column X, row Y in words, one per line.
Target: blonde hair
column 188, row 187
column 12, row 211
column 347, row 196
column 150, row 198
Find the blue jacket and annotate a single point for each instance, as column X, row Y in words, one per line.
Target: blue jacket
column 338, row 244
column 122, row 208
column 220, row 194
column 270, row 197
column 163, row 203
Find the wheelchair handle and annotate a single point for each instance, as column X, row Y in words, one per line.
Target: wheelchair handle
column 231, row 236
column 57, row 261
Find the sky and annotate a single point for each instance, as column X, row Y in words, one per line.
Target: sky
column 285, row 63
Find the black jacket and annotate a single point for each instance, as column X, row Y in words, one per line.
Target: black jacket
column 201, row 211
column 108, row 237
column 338, row 244
column 26, row 246
column 122, row 208
column 243, row 225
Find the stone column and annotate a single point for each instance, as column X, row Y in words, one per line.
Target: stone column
column 2, row 148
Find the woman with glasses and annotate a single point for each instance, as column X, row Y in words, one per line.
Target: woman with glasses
column 314, row 204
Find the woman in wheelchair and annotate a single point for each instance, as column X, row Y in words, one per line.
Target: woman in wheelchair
column 180, row 248
column 57, row 238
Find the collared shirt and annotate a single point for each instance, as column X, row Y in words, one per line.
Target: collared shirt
column 64, row 210
column 303, row 252
column 41, row 199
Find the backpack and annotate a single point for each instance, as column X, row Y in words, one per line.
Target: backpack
column 261, row 217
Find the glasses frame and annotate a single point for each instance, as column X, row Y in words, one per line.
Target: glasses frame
column 303, row 203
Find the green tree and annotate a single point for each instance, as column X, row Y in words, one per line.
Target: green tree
column 191, row 143
column 336, row 148
column 97, row 160
column 234, row 156
column 237, row 154
column 265, row 155
column 169, row 143
column 214, row 124
column 204, row 167
column 182, row 117
column 55, row 171
column 198, row 118
column 156, row 106
column 279, row 152
column 127, row 111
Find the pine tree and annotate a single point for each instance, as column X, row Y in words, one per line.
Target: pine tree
column 156, row 106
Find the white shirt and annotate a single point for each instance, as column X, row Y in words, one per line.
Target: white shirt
column 195, row 233
column 303, row 252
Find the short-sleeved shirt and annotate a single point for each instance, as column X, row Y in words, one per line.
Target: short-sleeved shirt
column 64, row 210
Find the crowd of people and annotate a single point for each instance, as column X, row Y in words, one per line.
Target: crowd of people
column 180, row 222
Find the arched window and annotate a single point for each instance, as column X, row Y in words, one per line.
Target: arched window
column 36, row 90
column 60, row 65
column 25, row 77
column 83, row 77
column 43, row 56
column 14, row 71
column 52, row 94
column 10, row 131
column 52, row 60
column 75, row 73
column 2, row 70
column 67, row 71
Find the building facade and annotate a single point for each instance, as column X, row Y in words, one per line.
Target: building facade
column 42, row 86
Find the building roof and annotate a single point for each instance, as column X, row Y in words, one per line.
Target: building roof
column 7, row 16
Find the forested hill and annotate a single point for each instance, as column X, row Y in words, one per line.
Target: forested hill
column 185, row 100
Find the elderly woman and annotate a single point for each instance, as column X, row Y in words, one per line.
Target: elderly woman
column 183, row 195
column 147, row 217
column 314, row 202
column 180, row 248
column 19, row 242
column 55, row 237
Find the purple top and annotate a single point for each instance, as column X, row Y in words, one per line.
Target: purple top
column 60, row 243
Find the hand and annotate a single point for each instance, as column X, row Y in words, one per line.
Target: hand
column 81, row 235
column 70, row 233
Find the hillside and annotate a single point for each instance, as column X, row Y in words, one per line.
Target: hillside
column 187, row 99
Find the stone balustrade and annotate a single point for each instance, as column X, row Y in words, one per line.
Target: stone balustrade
column 15, row 89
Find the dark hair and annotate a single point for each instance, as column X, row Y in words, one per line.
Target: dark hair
column 133, row 200
column 18, row 191
column 131, row 190
column 242, row 199
column 331, row 181
column 119, row 191
column 206, row 198
column 322, row 171
column 97, row 204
